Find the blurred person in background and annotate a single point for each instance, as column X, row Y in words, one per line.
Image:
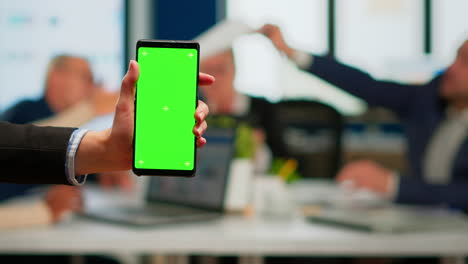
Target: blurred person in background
column 435, row 120
column 71, row 98
column 222, row 98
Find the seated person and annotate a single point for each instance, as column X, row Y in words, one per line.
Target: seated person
column 69, row 88
column 434, row 116
column 71, row 98
column 222, row 98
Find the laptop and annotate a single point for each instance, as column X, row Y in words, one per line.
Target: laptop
column 388, row 218
column 174, row 199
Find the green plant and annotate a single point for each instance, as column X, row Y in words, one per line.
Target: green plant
column 245, row 144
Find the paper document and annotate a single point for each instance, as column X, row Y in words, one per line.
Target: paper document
column 264, row 72
column 220, row 37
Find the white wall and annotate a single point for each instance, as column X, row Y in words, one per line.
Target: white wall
column 32, row 32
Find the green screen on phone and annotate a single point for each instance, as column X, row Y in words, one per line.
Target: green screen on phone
column 166, row 99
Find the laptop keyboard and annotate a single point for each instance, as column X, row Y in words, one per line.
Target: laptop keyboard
column 154, row 214
column 162, row 210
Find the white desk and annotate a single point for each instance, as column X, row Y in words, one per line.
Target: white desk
column 231, row 235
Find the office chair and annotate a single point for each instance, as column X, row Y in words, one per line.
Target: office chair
column 311, row 133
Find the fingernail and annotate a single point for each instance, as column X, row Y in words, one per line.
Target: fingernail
column 130, row 65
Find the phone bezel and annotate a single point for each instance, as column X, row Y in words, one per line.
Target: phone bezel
column 166, row 44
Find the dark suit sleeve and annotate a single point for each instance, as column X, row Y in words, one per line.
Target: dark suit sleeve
column 30, row 154
column 415, row 191
column 394, row 96
column 260, row 116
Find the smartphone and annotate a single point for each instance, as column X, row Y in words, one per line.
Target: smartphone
column 165, row 102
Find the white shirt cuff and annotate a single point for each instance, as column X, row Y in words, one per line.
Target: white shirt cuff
column 303, row 59
column 73, row 145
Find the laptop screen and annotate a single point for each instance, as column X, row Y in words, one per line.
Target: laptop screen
column 207, row 189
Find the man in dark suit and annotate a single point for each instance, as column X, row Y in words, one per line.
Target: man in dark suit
column 30, row 154
column 435, row 120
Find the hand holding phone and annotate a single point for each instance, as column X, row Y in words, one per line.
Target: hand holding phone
column 166, row 98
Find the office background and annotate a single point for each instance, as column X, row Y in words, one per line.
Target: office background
column 392, row 39
column 32, row 32
column 399, row 39
column 403, row 40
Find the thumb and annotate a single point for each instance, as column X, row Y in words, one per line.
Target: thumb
column 129, row 81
